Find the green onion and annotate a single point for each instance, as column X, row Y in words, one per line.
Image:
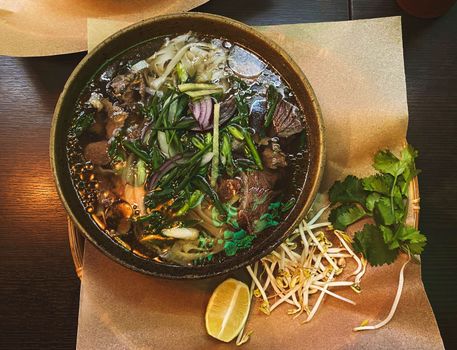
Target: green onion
column 236, row 131
column 148, row 217
column 195, row 94
column 253, row 150
column 195, row 199
column 133, row 147
column 227, row 153
column 208, row 138
column 140, row 173
column 215, row 160
column 182, row 73
column 197, row 142
column 197, row 86
column 199, row 182
column 199, row 153
column 273, row 99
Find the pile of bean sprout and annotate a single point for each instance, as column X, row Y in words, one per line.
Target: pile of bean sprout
column 308, row 263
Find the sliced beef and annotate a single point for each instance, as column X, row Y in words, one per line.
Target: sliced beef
column 257, row 115
column 116, row 117
column 129, row 88
column 257, row 194
column 97, row 152
column 229, row 189
column 273, row 157
column 287, row 119
column 111, row 187
column 134, row 131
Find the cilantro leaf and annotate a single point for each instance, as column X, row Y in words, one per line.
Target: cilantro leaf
column 265, row 221
column 385, row 197
column 372, row 198
column 370, row 242
column 350, row 190
column 411, row 238
column 383, row 213
column 403, row 186
column 386, row 162
column 389, row 237
column 408, row 155
column 346, row 214
column 235, row 241
column 378, row 183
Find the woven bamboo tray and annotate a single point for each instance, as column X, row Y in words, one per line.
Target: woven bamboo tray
column 76, row 238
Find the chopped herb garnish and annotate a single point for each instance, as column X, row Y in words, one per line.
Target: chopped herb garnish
column 384, row 197
column 235, row 241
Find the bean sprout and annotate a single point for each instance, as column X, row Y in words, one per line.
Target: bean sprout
column 391, row 314
column 306, row 263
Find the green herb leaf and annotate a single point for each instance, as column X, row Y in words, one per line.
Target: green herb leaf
column 378, row 183
column 408, row 155
column 370, row 242
column 389, row 237
column 383, row 213
column 411, row 238
column 385, row 196
column 235, row 241
column 345, row 215
column 350, row 190
column 372, row 198
column 386, row 162
column 230, row 248
column 115, row 150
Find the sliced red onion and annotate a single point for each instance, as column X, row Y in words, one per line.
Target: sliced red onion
column 228, row 108
column 196, row 110
column 202, row 111
column 208, row 109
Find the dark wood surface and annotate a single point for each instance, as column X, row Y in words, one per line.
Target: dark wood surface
column 39, row 290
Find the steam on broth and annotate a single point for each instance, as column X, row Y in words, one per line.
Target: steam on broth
column 187, row 150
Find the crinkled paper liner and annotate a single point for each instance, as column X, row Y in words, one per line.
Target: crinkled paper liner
column 356, row 70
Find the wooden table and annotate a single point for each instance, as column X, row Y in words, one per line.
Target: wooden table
column 39, row 290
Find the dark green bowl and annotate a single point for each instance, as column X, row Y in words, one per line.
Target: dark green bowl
column 235, row 32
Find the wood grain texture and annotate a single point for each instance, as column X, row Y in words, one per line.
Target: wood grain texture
column 265, row 12
column 39, row 289
column 430, row 50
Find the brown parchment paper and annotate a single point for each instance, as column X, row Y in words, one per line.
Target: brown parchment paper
column 51, row 27
column 356, row 69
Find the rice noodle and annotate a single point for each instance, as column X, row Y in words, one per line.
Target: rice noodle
column 203, row 61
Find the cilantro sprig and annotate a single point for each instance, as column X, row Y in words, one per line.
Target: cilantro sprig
column 383, row 197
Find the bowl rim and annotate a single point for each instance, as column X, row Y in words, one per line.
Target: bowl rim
column 320, row 144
